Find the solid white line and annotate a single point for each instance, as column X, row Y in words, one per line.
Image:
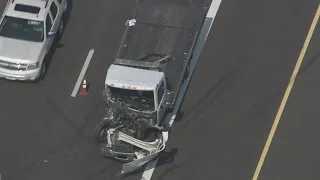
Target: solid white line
column 212, row 12
column 149, row 169
column 172, row 120
column 82, row 73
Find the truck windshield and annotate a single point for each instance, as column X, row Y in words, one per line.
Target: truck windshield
column 139, row 100
column 23, row 29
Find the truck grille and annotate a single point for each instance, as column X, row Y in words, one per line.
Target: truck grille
column 13, row 66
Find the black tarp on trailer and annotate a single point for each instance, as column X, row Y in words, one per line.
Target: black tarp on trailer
column 168, row 27
column 164, row 27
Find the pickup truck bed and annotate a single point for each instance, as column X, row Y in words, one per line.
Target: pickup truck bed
column 164, row 27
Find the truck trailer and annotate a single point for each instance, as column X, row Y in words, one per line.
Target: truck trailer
column 143, row 83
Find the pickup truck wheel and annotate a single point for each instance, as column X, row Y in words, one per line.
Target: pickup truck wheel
column 100, row 132
column 43, row 70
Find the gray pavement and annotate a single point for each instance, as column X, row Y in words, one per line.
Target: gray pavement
column 44, row 132
column 294, row 152
column 236, row 89
column 228, row 111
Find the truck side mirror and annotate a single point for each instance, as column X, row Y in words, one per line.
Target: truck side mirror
column 51, row 34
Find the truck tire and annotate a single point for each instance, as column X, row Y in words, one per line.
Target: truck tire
column 43, row 70
column 99, row 135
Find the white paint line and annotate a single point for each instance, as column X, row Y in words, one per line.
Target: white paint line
column 212, row 12
column 172, row 120
column 213, row 9
column 149, row 169
column 82, row 73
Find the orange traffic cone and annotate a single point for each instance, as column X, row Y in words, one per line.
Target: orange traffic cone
column 84, row 89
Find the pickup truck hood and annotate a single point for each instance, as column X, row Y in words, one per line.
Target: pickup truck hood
column 20, row 50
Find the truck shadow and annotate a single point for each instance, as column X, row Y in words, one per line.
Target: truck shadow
column 167, row 157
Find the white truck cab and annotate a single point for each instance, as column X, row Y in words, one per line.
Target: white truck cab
column 142, row 90
column 27, row 32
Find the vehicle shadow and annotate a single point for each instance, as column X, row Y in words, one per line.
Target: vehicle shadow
column 57, row 44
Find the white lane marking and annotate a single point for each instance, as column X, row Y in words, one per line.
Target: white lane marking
column 82, row 73
column 172, row 120
column 212, row 12
column 149, row 169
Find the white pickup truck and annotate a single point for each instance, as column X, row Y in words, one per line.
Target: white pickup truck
column 143, row 83
column 28, row 30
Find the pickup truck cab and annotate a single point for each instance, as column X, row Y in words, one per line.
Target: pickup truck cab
column 27, row 32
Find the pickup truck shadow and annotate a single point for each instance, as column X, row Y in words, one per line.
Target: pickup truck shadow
column 56, row 43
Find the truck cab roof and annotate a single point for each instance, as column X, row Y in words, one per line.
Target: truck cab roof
column 139, row 79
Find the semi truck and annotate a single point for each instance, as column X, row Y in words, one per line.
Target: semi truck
column 143, row 84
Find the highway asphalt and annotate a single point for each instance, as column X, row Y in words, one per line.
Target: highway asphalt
column 227, row 113
column 294, row 152
column 236, row 91
column 44, row 132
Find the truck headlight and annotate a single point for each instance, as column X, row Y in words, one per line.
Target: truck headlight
column 33, row 66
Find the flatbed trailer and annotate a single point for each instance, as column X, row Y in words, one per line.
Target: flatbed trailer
column 156, row 50
column 164, row 27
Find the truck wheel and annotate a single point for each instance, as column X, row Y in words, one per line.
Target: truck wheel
column 100, row 132
column 186, row 73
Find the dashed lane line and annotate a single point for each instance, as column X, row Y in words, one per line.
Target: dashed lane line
column 82, row 73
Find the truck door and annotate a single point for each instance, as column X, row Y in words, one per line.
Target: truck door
column 161, row 98
column 56, row 16
column 49, row 27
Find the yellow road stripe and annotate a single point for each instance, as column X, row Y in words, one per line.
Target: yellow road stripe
column 286, row 95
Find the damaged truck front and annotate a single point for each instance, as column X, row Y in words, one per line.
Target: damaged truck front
column 137, row 101
column 143, row 83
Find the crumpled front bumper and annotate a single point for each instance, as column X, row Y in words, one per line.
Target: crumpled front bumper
column 135, row 160
column 120, row 156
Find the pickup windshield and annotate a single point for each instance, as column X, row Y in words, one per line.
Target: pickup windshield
column 139, row 100
column 23, row 29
